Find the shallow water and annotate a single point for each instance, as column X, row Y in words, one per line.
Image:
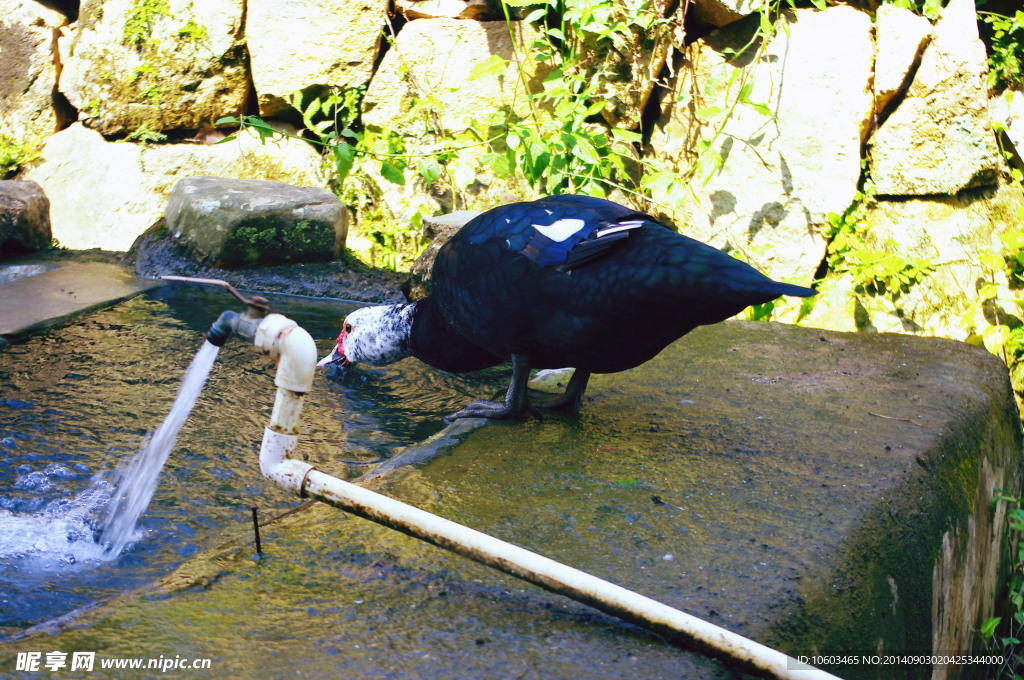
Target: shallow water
column 79, row 402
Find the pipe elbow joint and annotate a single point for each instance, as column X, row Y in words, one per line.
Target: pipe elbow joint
column 292, row 348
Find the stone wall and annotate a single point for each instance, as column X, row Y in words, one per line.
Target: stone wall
column 125, row 97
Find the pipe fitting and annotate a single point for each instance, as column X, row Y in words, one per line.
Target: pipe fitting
column 223, row 328
column 277, row 465
column 291, row 348
column 232, row 323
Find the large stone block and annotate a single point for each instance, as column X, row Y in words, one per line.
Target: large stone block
column 28, row 69
column 783, row 173
column 437, row 230
column 24, row 217
column 137, row 67
column 430, row 56
column 246, row 222
column 953, row 234
column 938, row 140
column 300, row 44
column 900, row 36
column 105, row 194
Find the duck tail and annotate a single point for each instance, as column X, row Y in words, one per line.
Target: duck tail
column 792, row 289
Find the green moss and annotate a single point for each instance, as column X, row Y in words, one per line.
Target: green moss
column 16, row 153
column 265, row 240
column 193, row 32
column 142, row 17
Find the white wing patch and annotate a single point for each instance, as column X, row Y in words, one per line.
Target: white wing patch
column 560, row 229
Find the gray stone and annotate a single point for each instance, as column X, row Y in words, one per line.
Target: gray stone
column 24, row 217
column 954, row 234
column 429, row 55
column 938, row 140
column 900, row 35
column 28, row 69
column 437, row 230
column 131, row 68
column 782, row 174
column 238, row 223
column 105, row 194
column 301, row 44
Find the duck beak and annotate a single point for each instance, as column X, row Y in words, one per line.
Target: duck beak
column 335, row 358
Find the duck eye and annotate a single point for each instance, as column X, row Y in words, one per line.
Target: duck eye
column 348, row 327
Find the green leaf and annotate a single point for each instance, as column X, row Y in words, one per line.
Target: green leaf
column 392, row 173
column 709, row 112
column 622, row 135
column 989, row 627
column 585, row 151
column 988, row 291
column 761, row 108
column 227, row 120
column 430, row 170
column 491, row 66
column 344, row 157
column 311, row 110
column 534, row 16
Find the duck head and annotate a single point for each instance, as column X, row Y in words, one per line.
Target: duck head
column 373, row 335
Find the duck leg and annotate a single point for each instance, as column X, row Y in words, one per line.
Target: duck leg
column 570, row 400
column 514, row 405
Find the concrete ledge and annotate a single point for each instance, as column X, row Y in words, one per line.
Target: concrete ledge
column 819, row 492
column 34, row 297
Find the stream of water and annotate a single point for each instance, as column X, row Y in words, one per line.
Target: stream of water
column 137, row 478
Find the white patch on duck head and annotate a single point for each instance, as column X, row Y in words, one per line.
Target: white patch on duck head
column 378, row 335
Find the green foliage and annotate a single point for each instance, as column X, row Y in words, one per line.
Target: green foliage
column 14, row 154
column 563, row 146
column 1005, row 49
column 193, row 32
column 995, row 320
column 931, row 9
column 146, row 134
column 142, row 17
column 876, row 271
column 558, row 143
column 1003, row 634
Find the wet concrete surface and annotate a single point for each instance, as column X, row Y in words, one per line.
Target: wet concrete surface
column 799, row 487
column 35, row 295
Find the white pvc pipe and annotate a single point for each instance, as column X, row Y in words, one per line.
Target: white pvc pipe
column 282, row 339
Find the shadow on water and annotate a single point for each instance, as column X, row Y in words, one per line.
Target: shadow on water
column 77, row 403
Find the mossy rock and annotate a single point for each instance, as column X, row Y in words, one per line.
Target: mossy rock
column 242, row 223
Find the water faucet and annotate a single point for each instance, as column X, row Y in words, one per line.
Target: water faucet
column 230, row 322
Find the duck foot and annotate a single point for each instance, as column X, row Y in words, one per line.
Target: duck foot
column 569, row 401
column 514, row 405
column 494, row 410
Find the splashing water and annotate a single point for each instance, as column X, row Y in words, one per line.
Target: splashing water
column 69, row 531
column 137, row 479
